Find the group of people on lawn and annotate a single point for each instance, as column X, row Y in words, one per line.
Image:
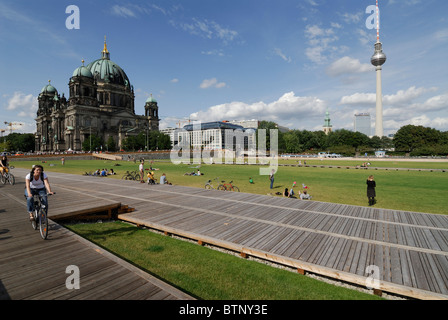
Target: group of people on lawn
column 150, row 175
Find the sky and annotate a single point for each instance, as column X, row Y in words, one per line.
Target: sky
column 207, row 60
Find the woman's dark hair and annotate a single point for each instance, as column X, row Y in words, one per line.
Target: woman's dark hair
column 34, row 168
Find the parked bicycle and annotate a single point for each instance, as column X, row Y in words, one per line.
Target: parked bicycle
column 209, row 185
column 8, row 177
column 228, row 187
column 40, row 215
column 133, row 175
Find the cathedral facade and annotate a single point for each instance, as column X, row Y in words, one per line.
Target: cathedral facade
column 101, row 103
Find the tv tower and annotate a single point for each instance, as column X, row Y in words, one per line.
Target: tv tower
column 378, row 59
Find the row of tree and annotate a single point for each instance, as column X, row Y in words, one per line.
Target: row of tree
column 410, row 139
column 155, row 140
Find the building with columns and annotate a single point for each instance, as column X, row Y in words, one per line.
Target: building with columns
column 101, row 103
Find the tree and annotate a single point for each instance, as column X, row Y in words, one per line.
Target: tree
column 92, row 143
column 110, row 144
column 269, row 125
column 292, row 142
column 410, row 137
column 19, row 142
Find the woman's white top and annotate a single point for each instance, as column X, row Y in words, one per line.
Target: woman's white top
column 36, row 184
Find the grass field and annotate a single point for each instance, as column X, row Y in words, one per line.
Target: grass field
column 421, row 191
column 212, row 275
column 209, row 274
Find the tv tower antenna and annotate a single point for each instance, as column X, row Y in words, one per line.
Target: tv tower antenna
column 378, row 59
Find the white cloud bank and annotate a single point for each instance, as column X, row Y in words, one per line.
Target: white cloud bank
column 289, row 109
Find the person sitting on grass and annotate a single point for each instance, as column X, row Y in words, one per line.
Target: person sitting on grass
column 288, row 194
column 305, row 195
column 151, row 179
column 163, row 180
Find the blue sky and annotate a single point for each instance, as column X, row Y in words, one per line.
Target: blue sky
column 284, row 61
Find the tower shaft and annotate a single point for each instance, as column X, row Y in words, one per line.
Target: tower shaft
column 379, row 104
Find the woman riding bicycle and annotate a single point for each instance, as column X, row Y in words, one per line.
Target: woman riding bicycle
column 36, row 183
column 3, row 165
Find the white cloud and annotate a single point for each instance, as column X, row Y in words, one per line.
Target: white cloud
column 320, row 41
column 122, row 11
column 279, row 53
column 359, row 98
column 348, row 65
column 212, row 83
column 207, row 29
column 401, row 98
column 436, row 103
column 441, row 35
column 218, row 53
column 403, row 108
column 24, row 105
column 289, row 108
column 352, row 17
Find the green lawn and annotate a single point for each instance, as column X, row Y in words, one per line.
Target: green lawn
column 396, row 189
column 209, row 274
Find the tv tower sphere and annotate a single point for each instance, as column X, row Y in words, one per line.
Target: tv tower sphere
column 378, row 58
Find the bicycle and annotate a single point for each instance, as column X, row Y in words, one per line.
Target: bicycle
column 209, row 185
column 228, row 187
column 133, row 175
column 40, row 216
column 7, row 176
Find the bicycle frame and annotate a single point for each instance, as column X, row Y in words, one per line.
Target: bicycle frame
column 228, row 187
column 209, row 184
column 40, row 216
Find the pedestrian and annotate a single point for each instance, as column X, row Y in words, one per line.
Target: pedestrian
column 63, row 160
column 271, row 177
column 371, row 194
column 142, row 171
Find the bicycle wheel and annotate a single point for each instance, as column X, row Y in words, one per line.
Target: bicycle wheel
column 11, row 179
column 222, row 188
column 43, row 223
column 235, row 188
column 208, row 186
column 2, row 179
column 36, row 217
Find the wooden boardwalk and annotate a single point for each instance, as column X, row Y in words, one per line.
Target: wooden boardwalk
column 409, row 251
column 34, row 269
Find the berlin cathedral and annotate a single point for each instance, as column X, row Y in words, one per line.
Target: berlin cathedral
column 101, row 103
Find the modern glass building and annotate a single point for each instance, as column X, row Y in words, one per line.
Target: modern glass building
column 218, row 136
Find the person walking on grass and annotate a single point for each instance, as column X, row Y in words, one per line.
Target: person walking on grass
column 371, row 194
column 271, row 177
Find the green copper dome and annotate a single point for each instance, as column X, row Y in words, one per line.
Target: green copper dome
column 49, row 89
column 108, row 71
column 82, row 71
column 151, row 99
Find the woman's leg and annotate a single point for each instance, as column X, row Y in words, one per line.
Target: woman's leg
column 43, row 194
